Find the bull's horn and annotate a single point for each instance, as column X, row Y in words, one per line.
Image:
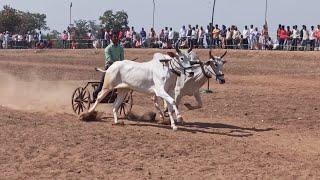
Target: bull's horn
column 191, row 47
column 224, row 54
column 177, row 46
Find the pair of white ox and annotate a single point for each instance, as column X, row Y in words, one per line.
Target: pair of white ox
column 156, row 77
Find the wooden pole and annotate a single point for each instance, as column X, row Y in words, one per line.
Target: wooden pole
column 211, row 27
column 154, row 8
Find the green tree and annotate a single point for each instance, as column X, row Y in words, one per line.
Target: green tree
column 9, row 19
column 83, row 26
column 17, row 21
column 114, row 21
column 32, row 21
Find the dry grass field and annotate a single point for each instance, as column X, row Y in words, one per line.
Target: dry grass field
column 262, row 124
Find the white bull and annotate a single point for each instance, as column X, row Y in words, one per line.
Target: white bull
column 190, row 86
column 202, row 72
column 152, row 77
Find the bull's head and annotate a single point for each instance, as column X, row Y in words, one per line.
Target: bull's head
column 216, row 63
column 182, row 59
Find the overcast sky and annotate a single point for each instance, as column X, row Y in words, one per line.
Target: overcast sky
column 174, row 13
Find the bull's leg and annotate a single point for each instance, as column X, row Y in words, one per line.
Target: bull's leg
column 170, row 110
column 102, row 94
column 116, row 105
column 156, row 104
column 164, row 95
column 198, row 99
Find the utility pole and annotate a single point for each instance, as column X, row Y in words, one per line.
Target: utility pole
column 266, row 12
column 70, row 13
column 154, row 9
column 211, row 27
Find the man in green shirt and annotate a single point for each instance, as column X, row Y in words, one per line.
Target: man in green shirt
column 114, row 52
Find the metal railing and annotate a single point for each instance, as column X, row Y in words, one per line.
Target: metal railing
column 87, row 44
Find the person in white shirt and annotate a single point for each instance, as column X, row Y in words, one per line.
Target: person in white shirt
column 295, row 37
column 6, row 40
column 201, row 35
column 171, row 36
column 166, row 34
column 183, row 33
column 236, row 37
column 312, row 38
column 193, row 36
column 251, row 37
column 305, row 37
column 246, row 35
column 196, row 35
column 1, row 39
column 229, row 39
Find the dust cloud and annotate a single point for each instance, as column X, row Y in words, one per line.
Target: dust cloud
column 36, row 95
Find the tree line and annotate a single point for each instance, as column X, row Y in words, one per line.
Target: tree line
column 20, row 22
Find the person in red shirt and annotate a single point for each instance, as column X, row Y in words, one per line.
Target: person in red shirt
column 287, row 42
column 282, row 36
column 317, row 34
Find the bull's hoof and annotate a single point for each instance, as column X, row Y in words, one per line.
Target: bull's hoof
column 179, row 119
column 118, row 124
column 164, row 122
column 175, row 128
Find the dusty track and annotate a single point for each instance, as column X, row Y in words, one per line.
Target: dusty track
column 262, row 124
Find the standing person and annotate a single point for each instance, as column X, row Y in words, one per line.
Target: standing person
column 143, row 35
column 171, row 36
column 208, row 36
column 236, row 36
column 251, row 37
column 317, row 33
column 282, row 37
column 229, row 39
column 312, row 38
column 40, row 36
column 278, row 32
column 246, row 35
column 152, row 37
column 162, row 36
column 106, row 38
column 216, row 34
column 295, row 37
column 6, row 40
column 305, row 37
column 114, row 52
column 64, row 37
column 193, row 37
column 265, row 36
column 201, row 37
column 166, row 34
column 287, row 42
column 223, row 34
column 69, row 37
column 1, row 39
column 196, row 36
column 183, row 33
column 189, row 33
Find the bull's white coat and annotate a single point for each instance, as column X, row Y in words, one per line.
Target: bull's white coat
column 152, row 77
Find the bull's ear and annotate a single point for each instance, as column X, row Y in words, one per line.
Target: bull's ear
column 224, row 62
column 207, row 63
column 171, row 54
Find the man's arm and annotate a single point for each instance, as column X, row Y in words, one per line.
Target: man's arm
column 108, row 55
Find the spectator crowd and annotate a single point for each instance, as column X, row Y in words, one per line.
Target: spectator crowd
column 289, row 38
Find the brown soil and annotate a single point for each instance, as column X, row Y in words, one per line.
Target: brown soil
column 262, row 124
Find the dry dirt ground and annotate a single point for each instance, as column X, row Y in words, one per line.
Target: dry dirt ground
column 262, row 124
